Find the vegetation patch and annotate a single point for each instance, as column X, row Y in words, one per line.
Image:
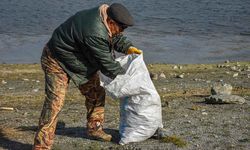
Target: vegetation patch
column 179, row 142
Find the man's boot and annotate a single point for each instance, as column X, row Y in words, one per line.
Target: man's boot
column 95, row 125
column 95, row 131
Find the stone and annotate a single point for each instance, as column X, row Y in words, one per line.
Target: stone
column 162, row 75
column 227, row 61
column 221, row 89
column 235, row 75
column 162, row 132
column 234, row 68
column 224, row 99
column 164, row 104
column 175, row 67
column 150, row 65
column 35, row 90
column 204, row 113
column 153, row 76
column 220, row 66
column 180, row 76
column 4, row 82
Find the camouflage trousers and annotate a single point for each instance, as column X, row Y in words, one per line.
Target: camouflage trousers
column 56, row 83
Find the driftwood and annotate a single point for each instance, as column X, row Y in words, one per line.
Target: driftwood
column 6, row 108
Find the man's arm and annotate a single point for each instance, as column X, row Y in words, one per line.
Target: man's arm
column 123, row 45
column 99, row 48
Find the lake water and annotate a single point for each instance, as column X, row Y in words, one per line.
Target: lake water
column 168, row 31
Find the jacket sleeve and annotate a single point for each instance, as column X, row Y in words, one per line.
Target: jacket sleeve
column 100, row 50
column 121, row 44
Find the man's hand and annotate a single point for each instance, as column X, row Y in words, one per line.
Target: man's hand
column 133, row 50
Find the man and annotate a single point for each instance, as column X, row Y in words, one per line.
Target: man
column 77, row 50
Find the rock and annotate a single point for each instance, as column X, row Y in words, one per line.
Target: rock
column 208, row 81
column 221, row 89
column 180, row 76
column 234, row 68
column 4, row 82
column 235, row 75
column 227, row 61
column 180, row 67
column 204, row 113
column 35, row 90
column 25, row 114
column 175, row 67
column 162, row 132
column 162, row 75
column 25, row 79
column 153, row 76
column 164, row 104
column 224, row 99
column 220, row 66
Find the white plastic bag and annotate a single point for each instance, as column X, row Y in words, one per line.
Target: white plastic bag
column 140, row 113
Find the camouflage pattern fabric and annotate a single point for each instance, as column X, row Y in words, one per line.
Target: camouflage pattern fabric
column 56, row 84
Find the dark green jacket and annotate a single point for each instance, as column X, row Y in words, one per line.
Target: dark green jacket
column 82, row 46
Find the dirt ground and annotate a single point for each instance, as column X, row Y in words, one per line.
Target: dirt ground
column 191, row 123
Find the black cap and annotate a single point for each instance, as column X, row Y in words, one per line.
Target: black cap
column 120, row 14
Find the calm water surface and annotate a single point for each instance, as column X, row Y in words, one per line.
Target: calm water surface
column 169, row 31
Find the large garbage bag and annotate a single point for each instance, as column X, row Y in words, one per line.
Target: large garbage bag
column 140, row 104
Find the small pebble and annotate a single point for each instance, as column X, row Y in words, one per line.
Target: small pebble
column 234, row 68
column 162, row 75
column 204, row 113
column 154, row 76
column 235, row 75
column 4, row 82
column 175, row 67
column 180, row 76
column 35, row 90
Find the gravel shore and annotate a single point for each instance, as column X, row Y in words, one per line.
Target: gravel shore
column 190, row 121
